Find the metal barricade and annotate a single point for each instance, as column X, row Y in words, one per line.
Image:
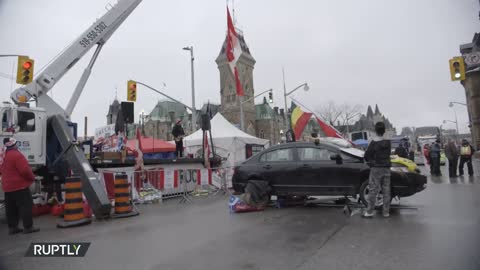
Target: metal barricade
column 173, row 183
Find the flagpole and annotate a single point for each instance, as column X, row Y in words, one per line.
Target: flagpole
column 242, row 116
column 303, row 105
column 287, row 122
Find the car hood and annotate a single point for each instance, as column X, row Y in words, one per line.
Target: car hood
column 353, row 151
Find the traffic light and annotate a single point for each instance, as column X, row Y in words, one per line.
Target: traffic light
column 270, row 97
column 25, row 70
column 457, row 68
column 132, row 90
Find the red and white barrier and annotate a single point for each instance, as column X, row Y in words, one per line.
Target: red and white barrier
column 167, row 180
column 204, row 177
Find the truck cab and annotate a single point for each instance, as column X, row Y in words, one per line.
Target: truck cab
column 28, row 127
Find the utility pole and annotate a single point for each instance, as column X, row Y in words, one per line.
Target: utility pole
column 194, row 111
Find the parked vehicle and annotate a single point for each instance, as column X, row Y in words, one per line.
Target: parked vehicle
column 304, row 169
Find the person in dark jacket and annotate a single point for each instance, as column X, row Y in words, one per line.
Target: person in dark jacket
column 178, row 134
column 378, row 158
column 411, row 153
column 451, row 151
column 401, row 150
column 435, row 151
column 466, row 153
column 17, row 176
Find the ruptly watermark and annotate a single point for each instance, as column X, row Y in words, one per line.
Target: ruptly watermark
column 58, row 249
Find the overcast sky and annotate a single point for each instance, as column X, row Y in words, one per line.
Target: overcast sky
column 391, row 53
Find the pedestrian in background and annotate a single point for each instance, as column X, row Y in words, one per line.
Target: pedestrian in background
column 466, row 153
column 378, row 158
column 451, row 151
column 411, row 153
column 401, row 150
column 426, row 153
column 17, row 176
column 435, row 158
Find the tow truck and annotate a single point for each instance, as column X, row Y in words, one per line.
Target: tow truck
column 44, row 133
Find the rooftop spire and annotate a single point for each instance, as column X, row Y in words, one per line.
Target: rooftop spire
column 369, row 112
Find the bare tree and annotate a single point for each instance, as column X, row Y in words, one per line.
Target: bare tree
column 344, row 114
column 350, row 113
column 330, row 112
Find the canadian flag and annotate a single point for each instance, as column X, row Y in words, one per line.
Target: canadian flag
column 233, row 52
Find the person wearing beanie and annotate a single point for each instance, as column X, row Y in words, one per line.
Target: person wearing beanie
column 17, row 176
column 378, row 158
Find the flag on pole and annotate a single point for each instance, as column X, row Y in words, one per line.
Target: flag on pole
column 233, row 52
column 328, row 130
column 299, row 120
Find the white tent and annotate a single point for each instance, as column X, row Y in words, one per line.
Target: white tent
column 229, row 141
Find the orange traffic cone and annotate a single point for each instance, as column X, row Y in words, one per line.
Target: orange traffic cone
column 123, row 202
column 73, row 209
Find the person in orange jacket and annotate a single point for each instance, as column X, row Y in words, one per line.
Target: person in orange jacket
column 17, row 176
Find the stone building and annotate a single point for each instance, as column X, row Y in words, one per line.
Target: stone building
column 113, row 110
column 269, row 122
column 159, row 122
column 364, row 128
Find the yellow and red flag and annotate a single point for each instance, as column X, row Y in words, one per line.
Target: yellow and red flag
column 299, row 120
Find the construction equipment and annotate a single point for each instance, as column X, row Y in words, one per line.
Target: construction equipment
column 45, row 134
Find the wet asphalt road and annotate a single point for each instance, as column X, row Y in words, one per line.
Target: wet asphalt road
column 444, row 233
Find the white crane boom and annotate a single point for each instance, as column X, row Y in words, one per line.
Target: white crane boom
column 97, row 34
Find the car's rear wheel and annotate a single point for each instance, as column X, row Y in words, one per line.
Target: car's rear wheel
column 364, row 191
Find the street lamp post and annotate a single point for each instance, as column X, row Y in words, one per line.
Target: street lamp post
column 456, row 122
column 454, row 102
column 194, row 111
column 285, row 94
column 242, row 114
column 455, row 112
column 142, row 118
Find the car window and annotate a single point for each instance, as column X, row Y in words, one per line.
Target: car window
column 26, row 121
column 311, row 153
column 277, row 155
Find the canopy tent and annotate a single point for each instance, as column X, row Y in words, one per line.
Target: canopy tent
column 229, row 141
column 151, row 145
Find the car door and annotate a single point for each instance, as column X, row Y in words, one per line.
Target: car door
column 315, row 169
column 322, row 169
column 278, row 168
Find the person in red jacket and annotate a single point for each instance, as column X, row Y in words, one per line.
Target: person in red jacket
column 17, row 176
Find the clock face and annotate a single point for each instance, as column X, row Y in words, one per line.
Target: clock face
column 473, row 58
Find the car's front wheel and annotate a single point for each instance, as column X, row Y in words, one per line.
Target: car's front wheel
column 364, row 191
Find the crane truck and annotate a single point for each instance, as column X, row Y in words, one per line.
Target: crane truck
column 45, row 133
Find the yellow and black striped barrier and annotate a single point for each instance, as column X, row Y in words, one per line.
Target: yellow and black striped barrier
column 73, row 214
column 123, row 201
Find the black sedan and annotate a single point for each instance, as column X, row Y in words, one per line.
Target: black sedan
column 306, row 169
